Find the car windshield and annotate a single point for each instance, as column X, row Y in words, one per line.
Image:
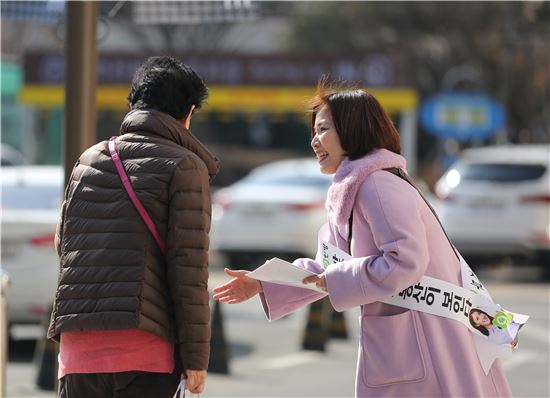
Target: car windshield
column 31, row 197
column 500, row 172
column 282, row 179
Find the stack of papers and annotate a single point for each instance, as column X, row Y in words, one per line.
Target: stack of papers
column 283, row 273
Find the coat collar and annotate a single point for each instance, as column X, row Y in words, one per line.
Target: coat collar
column 349, row 177
column 153, row 122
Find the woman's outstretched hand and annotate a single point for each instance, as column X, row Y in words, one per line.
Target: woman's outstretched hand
column 238, row 289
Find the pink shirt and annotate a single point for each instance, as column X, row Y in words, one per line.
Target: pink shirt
column 113, row 351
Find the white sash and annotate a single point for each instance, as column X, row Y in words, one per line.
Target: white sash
column 438, row 297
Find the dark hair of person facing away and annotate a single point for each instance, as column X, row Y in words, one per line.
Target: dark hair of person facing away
column 167, row 85
column 481, row 328
column 360, row 121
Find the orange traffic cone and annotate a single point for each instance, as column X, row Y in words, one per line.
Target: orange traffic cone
column 317, row 327
column 218, row 348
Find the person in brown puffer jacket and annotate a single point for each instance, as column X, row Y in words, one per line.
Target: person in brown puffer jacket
column 130, row 320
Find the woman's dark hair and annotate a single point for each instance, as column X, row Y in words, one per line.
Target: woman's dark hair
column 167, row 85
column 360, row 121
column 481, row 328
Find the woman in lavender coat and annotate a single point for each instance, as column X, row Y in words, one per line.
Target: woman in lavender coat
column 395, row 241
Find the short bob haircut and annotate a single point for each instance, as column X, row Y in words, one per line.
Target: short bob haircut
column 481, row 328
column 360, row 121
column 167, row 85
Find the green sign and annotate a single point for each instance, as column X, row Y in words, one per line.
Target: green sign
column 12, row 79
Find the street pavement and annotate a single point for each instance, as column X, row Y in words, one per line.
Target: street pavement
column 266, row 359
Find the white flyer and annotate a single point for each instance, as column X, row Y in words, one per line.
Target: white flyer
column 283, row 273
column 495, row 329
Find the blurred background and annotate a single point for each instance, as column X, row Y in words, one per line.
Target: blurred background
column 466, row 83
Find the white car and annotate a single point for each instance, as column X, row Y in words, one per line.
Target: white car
column 275, row 211
column 31, row 200
column 496, row 202
column 10, row 156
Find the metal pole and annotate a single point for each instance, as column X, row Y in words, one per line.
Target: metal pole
column 4, row 331
column 408, row 129
column 80, row 81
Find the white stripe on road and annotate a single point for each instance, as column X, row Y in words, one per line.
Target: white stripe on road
column 290, row 360
column 536, row 333
column 520, row 357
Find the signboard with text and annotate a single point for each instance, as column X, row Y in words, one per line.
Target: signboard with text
column 372, row 70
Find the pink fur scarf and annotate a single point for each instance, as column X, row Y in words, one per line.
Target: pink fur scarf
column 349, row 177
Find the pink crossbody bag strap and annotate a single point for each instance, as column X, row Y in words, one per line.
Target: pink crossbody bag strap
column 133, row 197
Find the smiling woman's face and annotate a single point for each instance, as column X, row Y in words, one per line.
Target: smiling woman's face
column 480, row 319
column 326, row 143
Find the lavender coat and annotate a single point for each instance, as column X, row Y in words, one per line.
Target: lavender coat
column 395, row 241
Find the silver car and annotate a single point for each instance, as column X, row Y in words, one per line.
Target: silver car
column 30, row 201
column 275, row 211
column 496, row 202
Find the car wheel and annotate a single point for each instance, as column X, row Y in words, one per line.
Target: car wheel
column 542, row 259
column 242, row 261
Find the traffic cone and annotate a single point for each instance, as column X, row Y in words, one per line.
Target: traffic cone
column 218, row 348
column 45, row 357
column 317, row 327
column 338, row 328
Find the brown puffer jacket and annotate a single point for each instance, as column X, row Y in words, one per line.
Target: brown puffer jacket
column 112, row 273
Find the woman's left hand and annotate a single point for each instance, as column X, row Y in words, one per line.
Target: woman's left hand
column 319, row 280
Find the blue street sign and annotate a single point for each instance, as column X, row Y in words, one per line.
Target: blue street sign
column 462, row 116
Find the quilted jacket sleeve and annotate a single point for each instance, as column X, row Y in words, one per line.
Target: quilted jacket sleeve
column 59, row 228
column 187, row 260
